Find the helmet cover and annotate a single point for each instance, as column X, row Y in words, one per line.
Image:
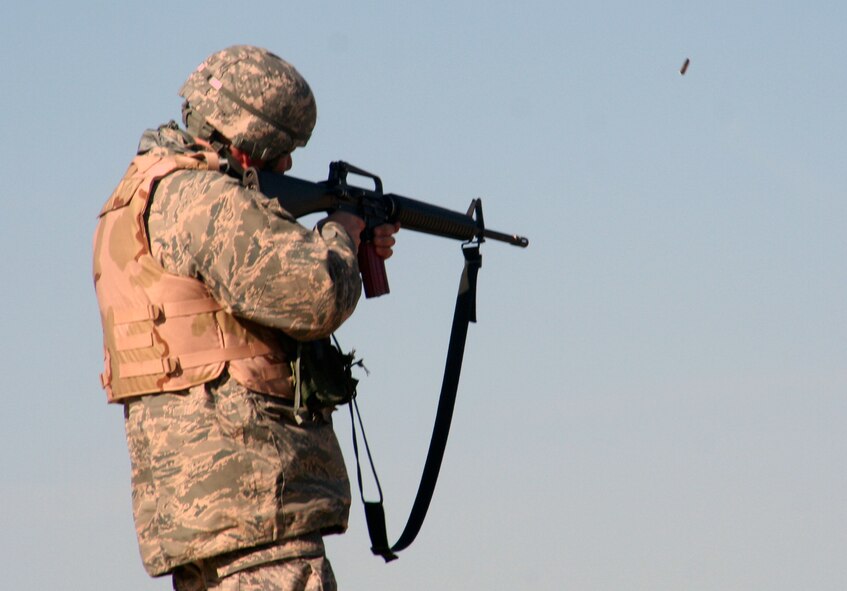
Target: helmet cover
column 254, row 98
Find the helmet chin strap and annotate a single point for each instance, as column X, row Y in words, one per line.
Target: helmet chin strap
column 230, row 164
column 199, row 127
column 196, row 124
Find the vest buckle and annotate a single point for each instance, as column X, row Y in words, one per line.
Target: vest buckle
column 156, row 313
column 172, row 366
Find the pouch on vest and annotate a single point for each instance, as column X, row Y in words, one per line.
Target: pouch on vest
column 323, row 375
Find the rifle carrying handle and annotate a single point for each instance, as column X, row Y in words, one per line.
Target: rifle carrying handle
column 372, row 267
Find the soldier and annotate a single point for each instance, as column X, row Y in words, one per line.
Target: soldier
column 209, row 294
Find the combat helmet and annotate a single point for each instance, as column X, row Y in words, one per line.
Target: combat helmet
column 252, row 98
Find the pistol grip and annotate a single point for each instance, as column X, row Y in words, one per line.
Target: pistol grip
column 372, row 267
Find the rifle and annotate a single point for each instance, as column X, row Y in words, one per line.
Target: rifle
column 301, row 197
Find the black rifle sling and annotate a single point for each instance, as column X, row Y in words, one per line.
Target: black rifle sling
column 464, row 314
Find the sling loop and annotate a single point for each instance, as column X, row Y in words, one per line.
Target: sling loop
column 464, row 314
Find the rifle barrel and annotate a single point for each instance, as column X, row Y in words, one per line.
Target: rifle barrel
column 432, row 219
column 301, row 197
column 514, row 239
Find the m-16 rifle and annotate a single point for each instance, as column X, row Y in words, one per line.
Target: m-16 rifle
column 300, row 197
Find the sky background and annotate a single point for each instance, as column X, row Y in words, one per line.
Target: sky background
column 653, row 397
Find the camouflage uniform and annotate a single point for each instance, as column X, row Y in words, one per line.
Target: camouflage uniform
column 298, row 573
column 224, row 480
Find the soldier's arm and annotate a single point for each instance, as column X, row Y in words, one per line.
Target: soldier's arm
column 254, row 257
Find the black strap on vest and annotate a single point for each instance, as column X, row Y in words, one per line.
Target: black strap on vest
column 464, row 314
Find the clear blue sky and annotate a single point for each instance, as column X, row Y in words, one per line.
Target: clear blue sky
column 654, row 395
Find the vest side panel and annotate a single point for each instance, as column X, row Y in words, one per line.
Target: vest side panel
column 144, row 343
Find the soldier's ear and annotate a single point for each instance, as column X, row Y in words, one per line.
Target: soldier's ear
column 243, row 159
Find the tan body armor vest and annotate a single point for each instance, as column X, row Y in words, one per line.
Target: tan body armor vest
column 163, row 332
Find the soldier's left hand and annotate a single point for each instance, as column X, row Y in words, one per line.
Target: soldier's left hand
column 384, row 239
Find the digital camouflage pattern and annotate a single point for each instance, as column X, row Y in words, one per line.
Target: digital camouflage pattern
column 312, row 574
column 303, row 572
column 253, row 98
column 218, row 567
column 256, row 260
column 219, row 468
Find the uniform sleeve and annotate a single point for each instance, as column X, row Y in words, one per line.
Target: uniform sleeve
column 253, row 256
